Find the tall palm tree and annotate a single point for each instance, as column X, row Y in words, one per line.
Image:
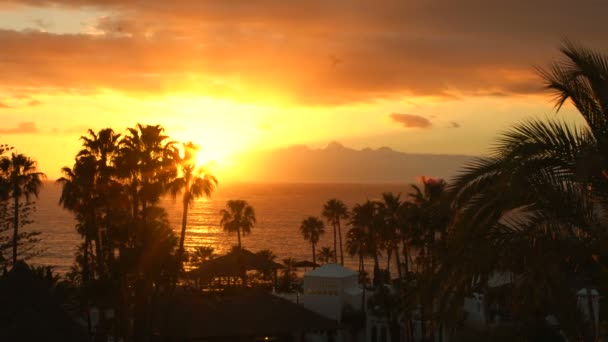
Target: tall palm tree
column 391, row 208
column 238, row 217
column 23, row 181
column 76, row 196
column 334, row 211
column 99, row 150
column 357, row 244
column 429, row 215
column 312, row 228
column 367, row 225
column 146, row 162
column 193, row 183
column 553, row 186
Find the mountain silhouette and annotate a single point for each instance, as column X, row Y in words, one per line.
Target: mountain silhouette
column 337, row 163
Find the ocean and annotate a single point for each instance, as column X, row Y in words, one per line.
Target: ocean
column 279, row 209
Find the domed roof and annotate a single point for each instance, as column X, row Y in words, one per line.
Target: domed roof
column 331, row 271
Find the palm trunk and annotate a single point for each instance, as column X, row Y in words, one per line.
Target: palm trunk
column 85, row 280
column 341, row 251
column 389, row 256
column 406, row 255
column 335, row 243
column 15, row 228
column 238, row 232
column 182, row 237
column 314, row 256
column 377, row 279
column 98, row 247
column 398, row 260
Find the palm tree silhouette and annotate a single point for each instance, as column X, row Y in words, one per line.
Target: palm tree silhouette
column 391, row 208
column 98, row 150
column 146, row 161
column 194, row 183
column 202, row 254
column 326, row 255
column 334, row 211
column 544, row 184
column 366, row 225
column 23, row 181
column 312, row 228
column 238, row 217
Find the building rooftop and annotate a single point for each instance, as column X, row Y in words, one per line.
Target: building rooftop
column 227, row 316
column 331, row 271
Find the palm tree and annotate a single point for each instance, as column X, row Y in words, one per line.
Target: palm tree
column 194, row 183
column 202, row 254
column 312, row 228
column 98, row 150
column 552, row 181
column 76, row 196
column 238, row 217
column 146, row 162
column 289, row 274
column 391, row 209
column 269, row 259
column 429, row 215
column 326, row 255
column 367, row 225
column 357, row 244
column 23, row 181
column 334, row 211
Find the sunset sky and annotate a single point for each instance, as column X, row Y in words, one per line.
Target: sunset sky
column 234, row 76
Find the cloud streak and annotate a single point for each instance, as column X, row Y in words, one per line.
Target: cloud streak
column 410, row 120
column 28, row 127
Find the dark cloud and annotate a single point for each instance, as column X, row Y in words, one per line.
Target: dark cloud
column 22, row 128
column 256, row 50
column 410, row 120
column 4, row 105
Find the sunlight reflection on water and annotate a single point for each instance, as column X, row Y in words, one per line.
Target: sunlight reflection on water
column 279, row 209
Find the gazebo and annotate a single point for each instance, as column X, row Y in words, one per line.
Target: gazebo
column 233, row 266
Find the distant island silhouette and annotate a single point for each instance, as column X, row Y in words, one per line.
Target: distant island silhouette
column 337, row 163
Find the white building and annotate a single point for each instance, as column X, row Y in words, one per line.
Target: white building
column 329, row 288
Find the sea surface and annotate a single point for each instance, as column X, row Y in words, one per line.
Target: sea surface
column 279, row 208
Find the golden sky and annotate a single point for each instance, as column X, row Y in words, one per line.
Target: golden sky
column 423, row 76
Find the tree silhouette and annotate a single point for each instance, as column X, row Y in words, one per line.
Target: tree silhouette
column 238, row 217
column 312, row 228
column 22, row 181
column 334, row 211
column 326, row 255
column 535, row 206
column 194, row 182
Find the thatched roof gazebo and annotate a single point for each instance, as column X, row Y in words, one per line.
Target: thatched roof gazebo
column 233, row 265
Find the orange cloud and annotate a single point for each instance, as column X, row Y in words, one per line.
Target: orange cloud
column 310, row 52
column 411, row 120
column 22, row 128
